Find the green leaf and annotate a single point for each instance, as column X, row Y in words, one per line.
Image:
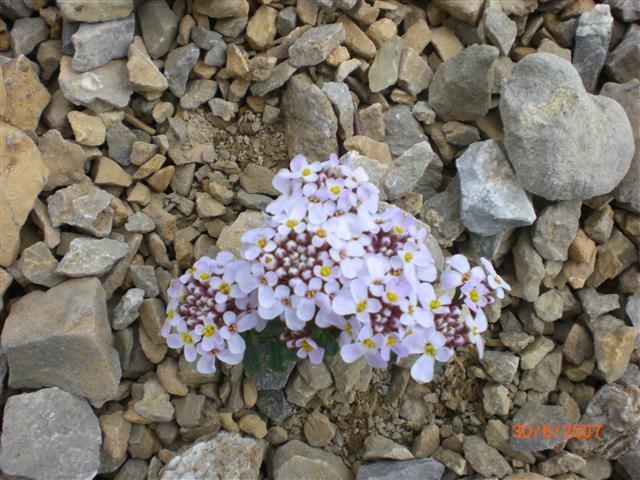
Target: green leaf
column 326, row 340
column 251, row 360
column 274, row 327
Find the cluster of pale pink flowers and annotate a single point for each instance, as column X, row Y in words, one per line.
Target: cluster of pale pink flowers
column 326, row 258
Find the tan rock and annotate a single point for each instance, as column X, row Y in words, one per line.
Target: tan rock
column 446, row 43
column 150, row 167
column 115, row 434
column 356, row 40
column 295, row 459
column 160, row 180
column 261, row 29
column 108, row 172
column 26, row 97
column 139, row 194
column 417, row 36
column 318, row 429
column 5, row 281
column 38, row 265
column 582, row 248
column 382, row 31
column 23, row 174
column 613, row 347
column 144, row 76
column 221, row 8
column 64, row 159
column 87, row 129
column 337, row 56
column 86, row 11
column 369, row 148
column 249, row 392
column 237, row 63
column 230, row 236
column 468, row 10
column 253, row 425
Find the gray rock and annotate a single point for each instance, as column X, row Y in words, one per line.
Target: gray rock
column 625, row 10
column 84, row 206
column 442, row 213
column 499, row 28
column 500, row 366
column 62, row 338
column 205, row 38
column 563, row 143
column 120, row 142
column 627, row 94
column 227, row 455
column 414, row 73
column 424, row 469
column 178, row 65
column 593, row 35
column 159, row 25
column 26, row 34
column 384, row 69
column 223, row 109
column 314, row 45
column 144, row 277
column 340, row 97
column 95, row 44
column 555, row 229
column 406, row 170
column 492, row 200
column 623, row 62
column 294, row 459
column 485, row 459
column 269, row 379
column 198, row 92
column 155, row 404
column 535, row 414
column 377, row 447
column 92, row 11
column 38, row 265
column 460, row 89
column 310, row 124
column 274, row 405
column 529, row 267
column 89, row 256
column 286, row 21
column 549, row 306
column 279, row 76
column 106, row 85
column 140, row 222
column 402, row 130
column 49, row 434
column 128, row 309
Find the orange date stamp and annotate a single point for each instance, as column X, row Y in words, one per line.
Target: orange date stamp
column 565, row 431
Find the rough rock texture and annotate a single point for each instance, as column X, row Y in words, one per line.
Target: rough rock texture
column 309, row 119
column 593, row 35
column 555, row 229
column 64, row 159
column 178, row 66
column 402, row 130
column 623, row 62
column 460, row 89
column 617, row 409
column 536, row 414
column 492, row 200
column 159, row 26
column 294, row 459
column 62, row 338
column 49, row 434
column 563, row 143
column 424, row 469
column 97, row 43
column 91, row 11
column 82, row 205
column 314, row 45
column 24, row 97
column 88, row 256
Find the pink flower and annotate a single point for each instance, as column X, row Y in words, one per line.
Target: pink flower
column 308, row 348
column 461, row 273
column 367, row 345
column 494, row 280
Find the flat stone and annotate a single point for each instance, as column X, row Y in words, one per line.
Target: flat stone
column 120, row 141
column 460, row 134
column 358, row 43
column 38, row 265
column 108, row 172
column 613, row 344
column 460, row 89
column 628, row 190
column 144, row 75
column 492, row 200
column 564, row 462
column 340, row 97
column 406, row 170
column 593, row 34
column 24, row 97
column 87, row 129
column 529, row 267
column 533, row 354
column 208, row 207
column 623, row 62
column 555, row 229
column 106, row 85
column 115, row 435
column 294, row 459
column 468, row 11
column 27, row 33
column 225, row 456
column 257, row 179
column 613, row 257
column 88, row 256
column 442, row 213
column 144, row 277
column 499, row 28
column 414, row 73
column 377, row 447
column 318, row 429
column 155, row 405
column 560, row 155
column 543, row 378
column 84, row 206
column 500, row 366
column 178, row 65
column 424, row 469
column 68, row 324
column 314, row 45
column 535, row 414
column 279, row 76
column 64, row 159
column 384, row 70
column 223, row 109
column 49, row 434
column 230, row 236
column 128, row 308
column 402, row 130
column 274, row 405
column 159, row 25
column 91, row 11
column 446, row 43
column 198, row 92
column 617, row 408
column 378, row 151
column 253, row 425
column 96, row 44
column 485, row 459
column 310, row 124
column 23, row 174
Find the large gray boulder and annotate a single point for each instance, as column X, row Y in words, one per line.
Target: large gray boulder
column 563, row 142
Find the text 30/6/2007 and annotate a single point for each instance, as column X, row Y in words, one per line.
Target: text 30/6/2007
column 565, row 431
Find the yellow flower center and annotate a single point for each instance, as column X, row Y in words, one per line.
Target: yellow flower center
column 292, row 223
column 430, row 350
column 369, row 343
column 310, row 294
column 497, row 279
column 335, row 189
column 411, row 309
column 408, row 257
column 435, row 303
column 395, row 272
column 186, row 338
column 474, row 295
column 170, row 313
column 361, row 306
column 268, row 260
column 306, row 347
column 474, row 331
column 209, row 330
column 325, row 271
column 204, row 276
column 348, row 329
column 399, row 229
column 225, row 288
column 191, row 270
column 391, row 341
column 466, row 276
column 322, row 233
column 262, row 242
column 392, row 296
column 306, row 171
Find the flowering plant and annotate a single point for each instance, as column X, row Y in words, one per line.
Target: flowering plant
column 329, row 272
